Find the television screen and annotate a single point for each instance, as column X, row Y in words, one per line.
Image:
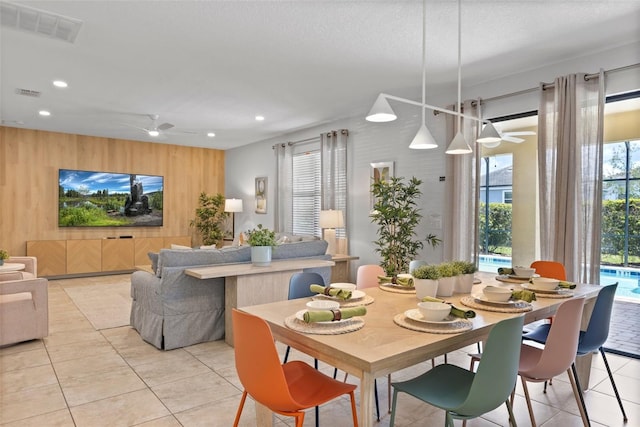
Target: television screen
column 105, row 199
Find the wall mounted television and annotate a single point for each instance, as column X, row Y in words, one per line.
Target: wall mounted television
column 107, row 199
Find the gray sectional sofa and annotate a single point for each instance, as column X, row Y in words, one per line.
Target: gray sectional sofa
column 172, row 310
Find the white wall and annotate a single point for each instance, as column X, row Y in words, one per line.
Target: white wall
column 375, row 142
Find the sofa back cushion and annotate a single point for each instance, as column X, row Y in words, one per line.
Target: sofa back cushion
column 301, row 249
column 194, row 257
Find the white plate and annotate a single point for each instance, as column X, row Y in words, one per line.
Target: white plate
column 347, row 286
column 531, row 287
column 414, row 314
column 357, row 294
column 513, row 276
column 300, row 316
column 396, row 286
column 483, row 298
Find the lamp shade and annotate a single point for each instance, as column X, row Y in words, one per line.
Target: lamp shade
column 381, row 111
column 489, row 134
column 233, row 205
column 423, row 139
column 458, row 145
column 331, row 219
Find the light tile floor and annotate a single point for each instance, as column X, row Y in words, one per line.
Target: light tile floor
column 79, row 376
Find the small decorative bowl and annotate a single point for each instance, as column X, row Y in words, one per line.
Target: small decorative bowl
column 322, row 305
column 545, row 283
column 434, row 311
column 346, row 286
column 496, row 293
column 524, row 271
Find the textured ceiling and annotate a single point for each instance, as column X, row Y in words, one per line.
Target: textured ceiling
column 214, row 65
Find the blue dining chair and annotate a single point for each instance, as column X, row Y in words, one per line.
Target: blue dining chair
column 464, row 394
column 594, row 337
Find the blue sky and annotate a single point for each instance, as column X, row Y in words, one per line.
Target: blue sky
column 114, row 182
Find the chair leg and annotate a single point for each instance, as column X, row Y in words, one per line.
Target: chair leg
column 375, row 392
column 512, row 419
column 354, row 411
column 393, row 408
column 335, row 373
column 528, row 398
column 286, row 354
column 389, row 391
column 239, row 412
column 577, row 392
column 448, row 419
column 613, row 383
column 300, row 419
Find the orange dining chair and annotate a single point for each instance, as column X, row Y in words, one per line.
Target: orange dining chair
column 286, row 389
column 557, row 356
column 550, row 269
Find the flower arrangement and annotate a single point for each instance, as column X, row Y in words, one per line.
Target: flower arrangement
column 261, row 236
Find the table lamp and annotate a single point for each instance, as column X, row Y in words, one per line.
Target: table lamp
column 330, row 220
column 233, row 206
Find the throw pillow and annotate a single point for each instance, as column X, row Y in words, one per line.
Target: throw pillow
column 153, row 256
column 208, row 247
column 174, row 246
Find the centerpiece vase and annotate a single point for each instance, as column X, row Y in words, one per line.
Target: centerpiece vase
column 261, row 255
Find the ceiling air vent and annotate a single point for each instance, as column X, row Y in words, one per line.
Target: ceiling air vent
column 28, row 92
column 37, row 21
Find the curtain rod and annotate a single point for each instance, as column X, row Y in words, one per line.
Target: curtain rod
column 550, row 85
column 290, row 143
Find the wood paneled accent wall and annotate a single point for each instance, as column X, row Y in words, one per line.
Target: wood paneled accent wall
column 29, row 163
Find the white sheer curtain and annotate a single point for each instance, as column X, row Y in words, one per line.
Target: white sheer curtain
column 334, row 186
column 570, row 145
column 284, row 195
column 462, row 190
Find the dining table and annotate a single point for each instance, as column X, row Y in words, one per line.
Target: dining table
column 387, row 339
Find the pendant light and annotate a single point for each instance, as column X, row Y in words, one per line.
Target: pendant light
column 489, row 134
column 424, row 139
column 381, row 111
column 459, row 145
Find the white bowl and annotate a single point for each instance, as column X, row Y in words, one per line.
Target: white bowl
column 545, row 284
column 524, row 271
column 345, row 286
column 322, row 305
column 496, row 293
column 434, row 311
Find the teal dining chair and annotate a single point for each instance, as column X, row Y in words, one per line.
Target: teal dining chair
column 593, row 338
column 464, row 394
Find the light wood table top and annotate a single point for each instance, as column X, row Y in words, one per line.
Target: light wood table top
column 381, row 346
column 227, row 270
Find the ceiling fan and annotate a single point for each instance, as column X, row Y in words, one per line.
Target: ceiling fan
column 155, row 130
column 491, row 136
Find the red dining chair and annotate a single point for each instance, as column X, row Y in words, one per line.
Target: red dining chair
column 550, row 269
column 286, row 389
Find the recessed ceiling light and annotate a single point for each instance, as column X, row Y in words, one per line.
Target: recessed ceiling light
column 60, row 83
column 44, row 113
column 259, row 118
column 211, row 134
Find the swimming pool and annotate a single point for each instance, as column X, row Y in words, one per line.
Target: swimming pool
column 628, row 278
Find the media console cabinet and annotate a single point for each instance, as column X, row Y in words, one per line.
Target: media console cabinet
column 96, row 256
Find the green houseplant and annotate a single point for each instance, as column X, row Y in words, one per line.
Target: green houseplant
column 397, row 216
column 210, row 216
column 464, row 276
column 3, row 256
column 447, row 279
column 425, row 280
column 261, row 240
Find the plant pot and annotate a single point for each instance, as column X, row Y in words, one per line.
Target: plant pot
column 445, row 286
column 463, row 283
column 425, row 288
column 261, row 255
column 1, row 262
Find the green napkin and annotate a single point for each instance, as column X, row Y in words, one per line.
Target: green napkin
column 331, row 315
column 566, row 285
column 505, row 271
column 524, row 295
column 344, row 294
column 455, row 311
column 402, row 281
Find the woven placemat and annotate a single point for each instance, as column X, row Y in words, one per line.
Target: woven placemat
column 322, row 328
column 518, row 307
column 397, row 289
column 366, row 300
column 446, row 328
column 507, row 279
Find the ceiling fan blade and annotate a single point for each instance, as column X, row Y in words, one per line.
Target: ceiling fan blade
column 524, row 132
column 165, row 126
column 512, row 139
column 135, row 127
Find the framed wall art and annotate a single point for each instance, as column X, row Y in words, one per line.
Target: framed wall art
column 261, row 195
column 380, row 171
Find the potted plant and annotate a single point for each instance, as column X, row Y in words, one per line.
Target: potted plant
column 210, row 216
column 3, row 255
column 425, row 280
column 397, row 216
column 464, row 276
column 447, row 279
column 261, row 240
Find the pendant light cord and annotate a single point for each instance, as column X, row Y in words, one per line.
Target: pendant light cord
column 459, row 61
column 424, row 57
